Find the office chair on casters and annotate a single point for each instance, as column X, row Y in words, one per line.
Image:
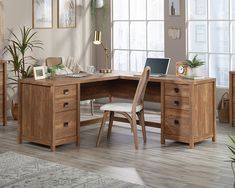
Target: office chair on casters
column 134, row 108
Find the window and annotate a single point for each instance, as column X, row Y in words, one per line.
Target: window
column 137, row 33
column 211, row 35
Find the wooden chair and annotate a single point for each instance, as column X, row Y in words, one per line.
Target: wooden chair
column 134, row 108
column 52, row 61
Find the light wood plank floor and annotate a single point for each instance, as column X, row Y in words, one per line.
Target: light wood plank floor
column 172, row 165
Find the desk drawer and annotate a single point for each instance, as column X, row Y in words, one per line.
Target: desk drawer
column 177, row 102
column 177, row 90
column 177, row 122
column 65, row 104
column 65, row 124
column 65, row 91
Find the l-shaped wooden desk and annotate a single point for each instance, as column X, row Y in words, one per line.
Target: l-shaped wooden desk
column 50, row 108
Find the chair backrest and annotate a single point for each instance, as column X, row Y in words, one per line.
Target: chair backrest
column 140, row 91
column 52, row 61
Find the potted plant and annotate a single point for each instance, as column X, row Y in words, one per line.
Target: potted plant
column 52, row 70
column 232, row 158
column 194, row 64
column 17, row 49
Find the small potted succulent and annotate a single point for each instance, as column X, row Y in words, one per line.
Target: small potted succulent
column 194, row 64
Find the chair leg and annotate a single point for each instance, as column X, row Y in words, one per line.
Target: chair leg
column 142, row 123
column 134, row 128
column 101, row 128
column 92, row 106
column 111, row 117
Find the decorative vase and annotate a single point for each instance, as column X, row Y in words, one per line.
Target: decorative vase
column 14, row 110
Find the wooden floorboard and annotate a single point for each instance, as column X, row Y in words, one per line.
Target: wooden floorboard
column 171, row 165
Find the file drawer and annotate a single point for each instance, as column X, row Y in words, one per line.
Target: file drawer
column 177, row 122
column 65, row 124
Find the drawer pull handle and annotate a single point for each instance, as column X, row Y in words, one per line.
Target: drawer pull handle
column 177, row 90
column 66, row 91
column 176, row 103
column 66, row 105
column 66, row 124
column 176, row 122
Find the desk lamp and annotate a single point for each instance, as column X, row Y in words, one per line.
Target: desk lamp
column 98, row 41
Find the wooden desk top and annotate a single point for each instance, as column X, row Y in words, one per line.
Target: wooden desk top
column 64, row 80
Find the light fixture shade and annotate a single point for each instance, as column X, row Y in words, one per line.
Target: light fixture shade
column 97, row 38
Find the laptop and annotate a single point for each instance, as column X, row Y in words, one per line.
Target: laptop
column 159, row 66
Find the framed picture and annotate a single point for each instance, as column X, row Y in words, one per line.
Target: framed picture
column 39, row 73
column 174, row 7
column 42, row 13
column 66, row 13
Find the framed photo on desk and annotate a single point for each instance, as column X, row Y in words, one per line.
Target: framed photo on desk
column 39, row 73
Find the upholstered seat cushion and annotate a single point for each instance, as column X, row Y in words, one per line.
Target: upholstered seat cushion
column 120, row 107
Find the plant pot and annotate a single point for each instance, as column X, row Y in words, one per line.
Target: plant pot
column 14, row 110
column 194, row 72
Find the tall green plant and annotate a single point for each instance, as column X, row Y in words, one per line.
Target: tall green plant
column 232, row 149
column 18, row 47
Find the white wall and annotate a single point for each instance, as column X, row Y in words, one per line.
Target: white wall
column 74, row 42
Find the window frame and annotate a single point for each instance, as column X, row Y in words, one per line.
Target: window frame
column 129, row 21
column 208, row 53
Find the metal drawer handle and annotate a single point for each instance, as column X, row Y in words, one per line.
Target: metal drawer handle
column 176, row 122
column 66, row 105
column 176, row 103
column 177, row 90
column 66, row 124
column 66, row 91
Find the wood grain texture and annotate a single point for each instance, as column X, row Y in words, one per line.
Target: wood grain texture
column 190, row 95
column 3, row 92
column 232, row 97
column 189, row 112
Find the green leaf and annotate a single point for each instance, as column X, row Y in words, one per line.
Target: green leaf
column 195, row 62
column 17, row 49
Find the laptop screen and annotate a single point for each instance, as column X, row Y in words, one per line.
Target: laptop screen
column 158, row 65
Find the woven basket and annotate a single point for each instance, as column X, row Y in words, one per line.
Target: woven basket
column 223, row 108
